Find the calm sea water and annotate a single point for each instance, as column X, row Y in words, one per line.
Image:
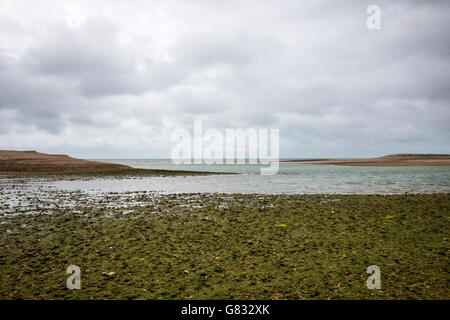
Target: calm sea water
column 294, row 178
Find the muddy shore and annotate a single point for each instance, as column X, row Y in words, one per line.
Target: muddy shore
column 141, row 245
column 145, row 245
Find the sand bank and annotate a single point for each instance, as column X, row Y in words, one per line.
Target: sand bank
column 390, row 160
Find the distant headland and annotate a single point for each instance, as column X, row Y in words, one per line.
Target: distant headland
column 35, row 162
column 32, row 162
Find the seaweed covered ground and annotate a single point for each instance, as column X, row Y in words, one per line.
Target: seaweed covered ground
column 142, row 245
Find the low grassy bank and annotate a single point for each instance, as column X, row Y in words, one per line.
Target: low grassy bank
column 201, row 246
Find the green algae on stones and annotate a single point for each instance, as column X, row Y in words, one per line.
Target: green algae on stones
column 252, row 247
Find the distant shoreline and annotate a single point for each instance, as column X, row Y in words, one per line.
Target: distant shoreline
column 395, row 160
column 32, row 163
column 35, row 163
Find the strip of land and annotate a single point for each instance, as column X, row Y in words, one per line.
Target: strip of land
column 389, row 160
column 36, row 163
column 32, row 161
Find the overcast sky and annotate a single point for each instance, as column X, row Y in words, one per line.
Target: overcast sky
column 99, row 79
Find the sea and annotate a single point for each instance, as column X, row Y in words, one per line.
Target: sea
column 292, row 178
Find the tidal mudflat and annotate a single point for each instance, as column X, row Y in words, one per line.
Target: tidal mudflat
column 146, row 245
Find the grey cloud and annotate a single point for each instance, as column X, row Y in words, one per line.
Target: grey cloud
column 209, row 49
column 309, row 68
column 92, row 59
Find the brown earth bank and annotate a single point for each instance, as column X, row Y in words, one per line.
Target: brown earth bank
column 36, row 162
column 405, row 159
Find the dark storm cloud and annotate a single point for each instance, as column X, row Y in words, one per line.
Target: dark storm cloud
column 95, row 76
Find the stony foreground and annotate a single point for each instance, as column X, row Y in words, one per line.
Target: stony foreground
column 200, row 246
